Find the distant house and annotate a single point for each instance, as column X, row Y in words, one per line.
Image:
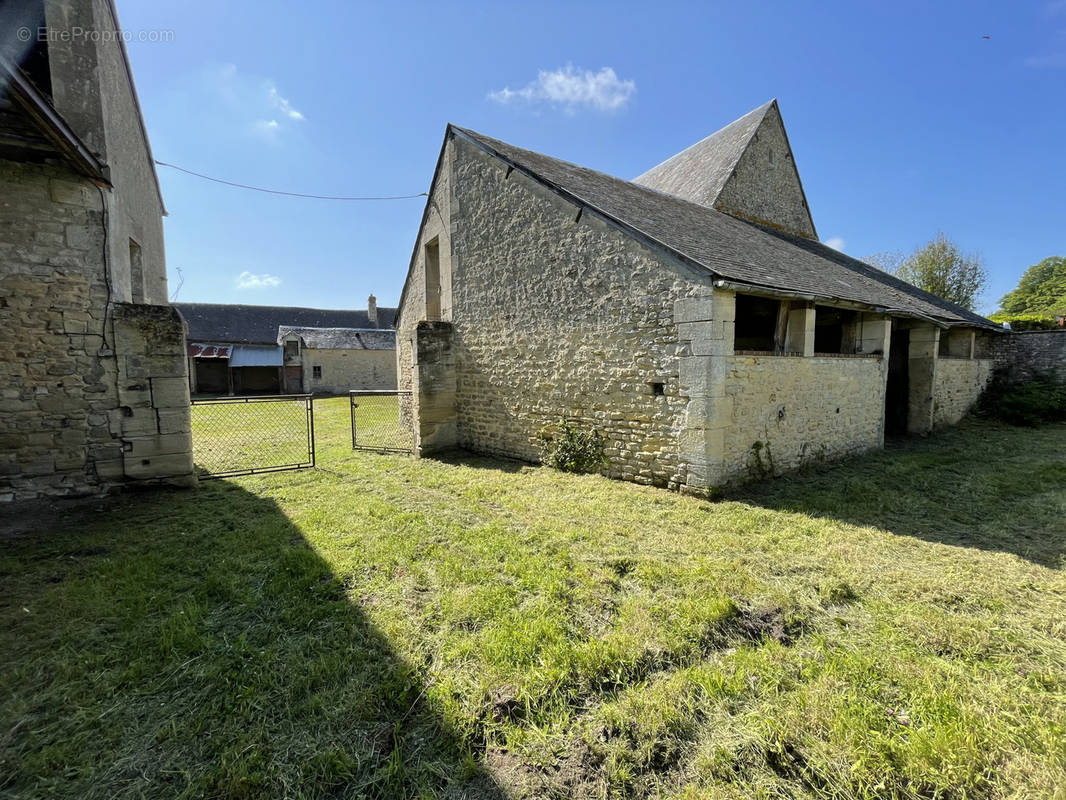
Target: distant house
column 240, row 349
column 92, row 360
column 335, row 360
column 691, row 316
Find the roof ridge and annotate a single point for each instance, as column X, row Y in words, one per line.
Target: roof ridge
column 800, row 274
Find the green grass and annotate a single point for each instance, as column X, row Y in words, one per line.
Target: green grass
column 384, row 627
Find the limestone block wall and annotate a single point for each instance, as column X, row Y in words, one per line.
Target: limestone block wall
column 435, row 225
column 561, row 318
column 151, row 427
column 959, row 382
column 348, row 369
column 788, row 411
column 433, row 404
column 93, row 90
column 64, row 429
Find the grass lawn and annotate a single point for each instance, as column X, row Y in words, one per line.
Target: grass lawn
column 386, row 627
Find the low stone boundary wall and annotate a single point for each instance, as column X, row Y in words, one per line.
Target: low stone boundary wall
column 1027, row 353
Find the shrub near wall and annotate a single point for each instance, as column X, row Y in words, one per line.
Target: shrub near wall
column 1031, row 403
column 1026, row 322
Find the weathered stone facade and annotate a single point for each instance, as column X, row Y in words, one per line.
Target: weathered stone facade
column 95, row 391
column 1029, row 353
column 94, row 387
column 765, row 186
column 959, row 382
column 342, row 370
column 546, row 312
column 787, row 412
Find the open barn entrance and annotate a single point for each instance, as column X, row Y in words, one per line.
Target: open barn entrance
column 897, row 392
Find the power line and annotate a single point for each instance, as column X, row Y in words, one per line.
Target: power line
column 287, row 194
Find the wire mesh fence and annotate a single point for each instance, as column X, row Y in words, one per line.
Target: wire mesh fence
column 246, row 435
column 378, row 421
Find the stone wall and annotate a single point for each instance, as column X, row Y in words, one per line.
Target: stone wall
column 348, row 369
column 93, row 90
column 1027, row 353
column 562, row 320
column 959, row 382
column 412, row 308
column 765, row 186
column 557, row 316
column 64, row 428
column 789, row 411
column 434, row 403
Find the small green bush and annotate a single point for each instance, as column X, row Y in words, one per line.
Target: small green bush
column 1027, row 322
column 1030, row 403
column 574, row 450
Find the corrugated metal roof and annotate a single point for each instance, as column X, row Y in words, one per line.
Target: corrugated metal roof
column 249, row 355
column 197, row 350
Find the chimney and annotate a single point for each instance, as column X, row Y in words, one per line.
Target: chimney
column 372, row 310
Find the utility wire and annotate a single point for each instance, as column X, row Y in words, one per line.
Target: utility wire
column 287, row 194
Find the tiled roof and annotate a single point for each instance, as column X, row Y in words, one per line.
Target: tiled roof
column 731, row 248
column 342, row 338
column 216, row 322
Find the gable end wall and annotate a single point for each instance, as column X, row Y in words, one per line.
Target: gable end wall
column 765, row 193
column 562, row 320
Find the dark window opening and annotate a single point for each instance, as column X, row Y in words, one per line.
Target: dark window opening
column 292, row 350
column 756, row 323
column 834, row 330
column 658, row 389
column 316, row 372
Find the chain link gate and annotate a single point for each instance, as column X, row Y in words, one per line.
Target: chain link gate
column 378, row 421
column 248, row 435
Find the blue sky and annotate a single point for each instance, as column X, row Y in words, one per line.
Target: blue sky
column 903, row 119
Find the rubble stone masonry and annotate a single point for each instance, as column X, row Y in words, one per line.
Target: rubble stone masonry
column 93, row 393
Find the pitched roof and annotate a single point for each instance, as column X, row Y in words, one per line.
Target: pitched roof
column 216, row 322
column 700, row 172
column 341, row 338
column 31, row 126
column 730, row 248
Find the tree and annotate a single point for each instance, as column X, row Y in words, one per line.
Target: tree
column 939, row 268
column 1042, row 289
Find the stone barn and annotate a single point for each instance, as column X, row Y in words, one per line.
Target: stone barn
column 690, row 315
column 94, row 393
column 336, row 360
column 239, row 349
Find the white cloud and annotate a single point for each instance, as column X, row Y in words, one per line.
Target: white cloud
column 283, row 105
column 249, row 280
column 836, row 242
column 250, row 103
column 572, row 89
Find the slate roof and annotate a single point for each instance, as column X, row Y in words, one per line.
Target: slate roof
column 342, row 338
column 218, row 322
column 730, row 248
column 700, row 172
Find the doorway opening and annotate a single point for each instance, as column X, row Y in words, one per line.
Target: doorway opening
column 897, row 392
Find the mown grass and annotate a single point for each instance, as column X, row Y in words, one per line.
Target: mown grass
column 384, row 627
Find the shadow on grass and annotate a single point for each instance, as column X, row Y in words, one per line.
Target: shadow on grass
column 979, row 485
column 192, row 644
column 465, row 458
